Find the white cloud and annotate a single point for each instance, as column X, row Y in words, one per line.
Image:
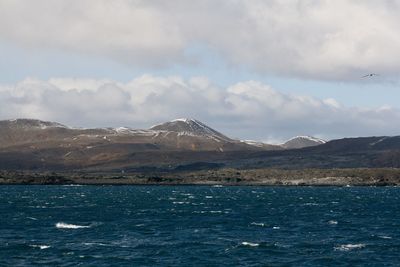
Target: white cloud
column 316, row 39
column 128, row 31
column 248, row 110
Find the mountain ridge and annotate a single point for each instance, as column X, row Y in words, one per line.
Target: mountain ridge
column 40, row 145
column 182, row 126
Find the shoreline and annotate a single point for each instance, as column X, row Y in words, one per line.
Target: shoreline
column 223, row 177
column 205, row 185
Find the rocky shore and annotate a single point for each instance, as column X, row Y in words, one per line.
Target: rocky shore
column 267, row 177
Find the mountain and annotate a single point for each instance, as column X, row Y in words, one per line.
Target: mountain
column 24, row 131
column 191, row 134
column 190, row 127
column 302, row 141
column 357, row 152
column 293, row 143
column 181, row 134
column 40, row 144
column 179, row 144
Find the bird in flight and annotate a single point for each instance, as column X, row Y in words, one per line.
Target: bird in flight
column 370, row 75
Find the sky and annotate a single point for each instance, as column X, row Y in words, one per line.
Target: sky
column 252, row 69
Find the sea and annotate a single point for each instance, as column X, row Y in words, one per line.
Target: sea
column 199, row 226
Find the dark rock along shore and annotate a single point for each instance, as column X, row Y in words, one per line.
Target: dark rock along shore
column 267, row 177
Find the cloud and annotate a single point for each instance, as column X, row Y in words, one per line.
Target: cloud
column 247, row 110
column 127, row 31
column 308, row 39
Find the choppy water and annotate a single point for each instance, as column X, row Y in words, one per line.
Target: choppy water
column 199, row 226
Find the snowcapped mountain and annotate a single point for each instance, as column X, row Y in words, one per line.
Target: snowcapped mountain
column 176, row 135
column 190, row 127
column 180, row 134
column 302, row 141
column 40, row 145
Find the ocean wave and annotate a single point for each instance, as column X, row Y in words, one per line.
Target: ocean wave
column 40, row 246
column 215, row 211
column 333, row 222
column 95, row 244
column 180, row 202
column 61, row 225
column 348, row 247
column 258, row 224
column 209, row 211
column 311, row 204
column 249, row 244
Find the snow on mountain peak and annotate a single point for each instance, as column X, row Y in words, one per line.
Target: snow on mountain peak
column 186, row 120
column 302, row 141
column 33, row 123
column 253, row 143
column 192, row 127
column 307, row 137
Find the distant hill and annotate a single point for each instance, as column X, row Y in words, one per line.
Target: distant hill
column 302, row 141
column 185, row 134
column 181, row 144
column 27, row 143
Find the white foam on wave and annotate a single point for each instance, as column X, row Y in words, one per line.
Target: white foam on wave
column 95, row 244
column 348, row 247
column 258, row 224
column 249, row 244
column 61, row 225
column 201, row 211
column 39, row 246
column 215, row 211
column 333, row 222
column 385, row 237
column 311, row 204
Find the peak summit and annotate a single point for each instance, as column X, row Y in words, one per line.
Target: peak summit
column 187, row 126
column 302, row 141
column 186, row 120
